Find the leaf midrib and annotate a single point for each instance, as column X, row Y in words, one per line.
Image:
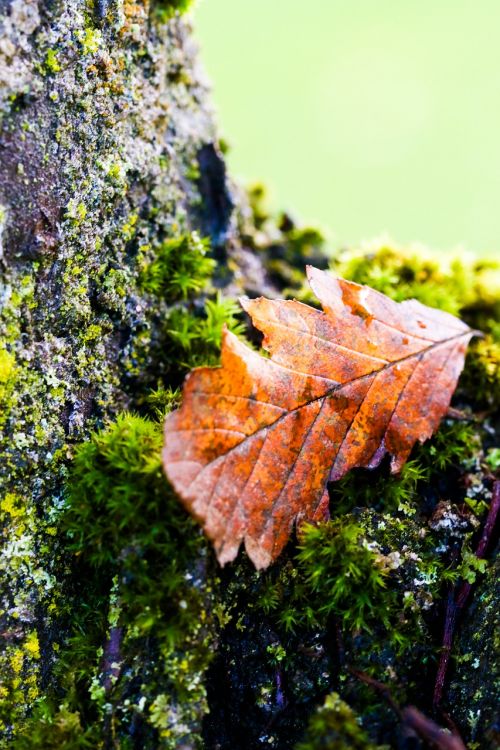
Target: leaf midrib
column 328, row 393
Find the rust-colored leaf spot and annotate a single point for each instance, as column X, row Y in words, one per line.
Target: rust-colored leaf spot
column 257, row 440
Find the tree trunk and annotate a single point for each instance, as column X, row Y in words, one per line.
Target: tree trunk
column 107, row 148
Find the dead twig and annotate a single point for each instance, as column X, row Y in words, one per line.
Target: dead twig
column 384, row 690
column 431, row 732
column 414, row 719
column 458, row 599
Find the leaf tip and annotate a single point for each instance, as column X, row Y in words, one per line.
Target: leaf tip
column 244, row 301
column 260, row 557
column 313, row 273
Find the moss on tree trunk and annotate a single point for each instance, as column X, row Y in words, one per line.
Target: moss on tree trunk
column 107, row 149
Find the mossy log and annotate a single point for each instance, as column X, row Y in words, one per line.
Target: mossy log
column 122, row 243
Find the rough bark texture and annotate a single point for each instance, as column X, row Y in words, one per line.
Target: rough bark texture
column 107, row 148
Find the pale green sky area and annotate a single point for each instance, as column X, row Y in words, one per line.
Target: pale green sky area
column 364, row 116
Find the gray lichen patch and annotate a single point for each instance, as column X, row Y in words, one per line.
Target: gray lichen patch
column 16, row 61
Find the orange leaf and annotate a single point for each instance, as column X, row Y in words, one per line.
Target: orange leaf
column 257, row 440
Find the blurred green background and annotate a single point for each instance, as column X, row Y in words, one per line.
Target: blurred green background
column 364, row 116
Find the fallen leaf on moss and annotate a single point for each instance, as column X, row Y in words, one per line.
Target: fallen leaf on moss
column 256, row 441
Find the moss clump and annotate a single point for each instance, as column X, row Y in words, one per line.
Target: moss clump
column 111, row 473
column 122, row 518
column 195, row 335
column 335, row 726
column 52, row 63
column 344, row 576
column 482, row 373
column 141, row 615
column 454, row 445
column 179, row 268
column 7, row 380
column 283, row 247
column 457, row 286
column 59, row 728
column 286, row 258
column 383, row 491
column 166, row 9
column 359, row 570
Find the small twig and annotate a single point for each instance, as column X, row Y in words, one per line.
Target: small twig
column 384, row 690
column 489, row 526
column 281, row 700
column 340, row 643
column 112, row 658
column 413, row 718
column 431, row 732
column 457, row 602
column 449, row 630
column 449, row 721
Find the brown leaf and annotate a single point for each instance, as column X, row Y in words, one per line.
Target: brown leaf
column 256, row 440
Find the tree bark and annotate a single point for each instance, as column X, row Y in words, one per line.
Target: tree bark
column 107, row 148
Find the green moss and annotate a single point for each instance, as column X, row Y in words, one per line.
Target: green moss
column 257, row 198
column 284, row 247
column 372, row 573
column 162, row 400
column 52, row 63
column 455, row 445
column 7, row 380
column 90, row 39
column 493, row 459
column 179, row 268
column 57, row 728
column 344, row 575
column 129, row 451
column 196, row 336
column 335, row 726
column 136, row 548
column 481, row 376
column 165, row 9
column 470, row 566
column 380, row 491
column 119, row 502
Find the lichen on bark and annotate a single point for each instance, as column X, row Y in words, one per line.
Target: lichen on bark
column 105, row 130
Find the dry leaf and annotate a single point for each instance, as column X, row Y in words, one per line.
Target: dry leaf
column 257, row 440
